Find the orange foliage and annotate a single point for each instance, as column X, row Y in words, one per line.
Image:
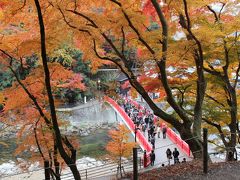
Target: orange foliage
column 20, row 112
column 119, row 146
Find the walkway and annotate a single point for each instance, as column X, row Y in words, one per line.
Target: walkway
column 161, row 145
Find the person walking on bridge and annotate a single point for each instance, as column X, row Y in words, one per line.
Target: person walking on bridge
column 152, row 158
column 169, row 155
column 153, row 142
column 175, row 155
column 164, row 131
column 158, row 131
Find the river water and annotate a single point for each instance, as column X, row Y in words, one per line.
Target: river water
column 89, row 124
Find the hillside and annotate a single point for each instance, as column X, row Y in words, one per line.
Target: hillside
column 193, row 171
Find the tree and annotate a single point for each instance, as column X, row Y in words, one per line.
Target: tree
column 152, row 28
column 223, row 66
column 119, row 147
column 10, row 52
column 114, row 25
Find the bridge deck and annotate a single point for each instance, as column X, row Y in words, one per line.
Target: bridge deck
column 161, row 145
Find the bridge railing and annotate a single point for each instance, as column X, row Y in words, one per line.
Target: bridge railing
column 179, row 142
column 140, row 137
column 175, row 138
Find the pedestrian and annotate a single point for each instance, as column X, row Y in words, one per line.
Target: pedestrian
column 146, row 120
column 150, row 120
column 152, row 158
column 151, row 130
column 169, row 155
column 144, row 127
column 158, row 131
column 149, row 135
column 184, row 160
column 175, row 155
column 153, row 141
column 164, row 131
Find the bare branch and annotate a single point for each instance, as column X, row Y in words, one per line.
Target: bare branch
column 116, row 2
column 220, row 12
column 215, row 100
column 98, row 55
column 141, row 39
column 93, row 24
column 24, row 4
column 237, row 76
column 218, row 127
column 36, row 138
column 70, row 25
column 214, row 13
column 187, row 15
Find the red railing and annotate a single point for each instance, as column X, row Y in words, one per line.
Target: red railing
column 140, row 137
column 180, row 143
column 171, row 134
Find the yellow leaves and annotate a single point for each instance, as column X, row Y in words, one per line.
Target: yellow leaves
column 1, row 98
column 1, row 14
column 119, row 146
column 133, row 93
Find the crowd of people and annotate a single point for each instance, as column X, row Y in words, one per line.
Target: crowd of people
column 145, row 121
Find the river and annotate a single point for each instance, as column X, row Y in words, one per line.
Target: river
column 90, row 125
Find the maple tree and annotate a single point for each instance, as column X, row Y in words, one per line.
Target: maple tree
column 152, row 28
column 119, row 147
column 110, row 30
column 222, row 65
column 123, row 25
column 34, row 107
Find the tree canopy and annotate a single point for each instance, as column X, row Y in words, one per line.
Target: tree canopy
column 186, row 50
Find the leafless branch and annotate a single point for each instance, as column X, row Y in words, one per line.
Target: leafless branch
column 24, row 4
column 215, row 100
column 218, row 127
column 36, row 138
column 97, row 54
column 70, row 25
column 220, row 12
column 130, row 23
column 214, row 13
column 93, row 24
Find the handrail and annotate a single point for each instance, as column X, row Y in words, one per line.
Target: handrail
column 171, row 134
column 140, row 137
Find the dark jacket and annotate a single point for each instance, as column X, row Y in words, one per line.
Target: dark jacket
column 152, row 157
column 175, row 153
column 169, row 154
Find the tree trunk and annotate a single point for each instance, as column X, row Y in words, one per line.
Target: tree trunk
column 230, row 153
column 194, row 142
column 68, row 160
